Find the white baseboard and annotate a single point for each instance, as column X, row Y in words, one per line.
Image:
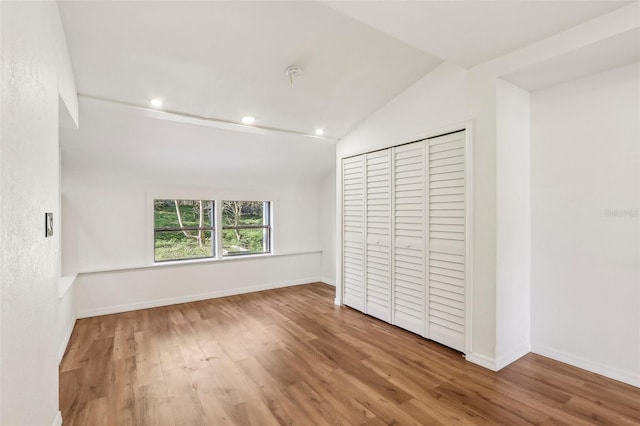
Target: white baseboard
column 65, row 341
column 506, row 359
column 329, row 281
column 58, row 420
column 107, row 310
column 482, row 361
column 621, row 375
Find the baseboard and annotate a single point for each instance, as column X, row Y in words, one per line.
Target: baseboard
column 329, row 281
column 595, row 367
column 191, row 298
column 482, row 361
column 65, row 341
column 514, row 355
column 58, row 420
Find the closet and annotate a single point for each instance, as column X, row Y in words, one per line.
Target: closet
column 404, row 236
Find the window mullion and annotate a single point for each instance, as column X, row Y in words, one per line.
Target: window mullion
column 218, row 205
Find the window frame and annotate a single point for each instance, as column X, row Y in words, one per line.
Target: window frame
column 267, row 240
column 218, row 199
column 212, row 228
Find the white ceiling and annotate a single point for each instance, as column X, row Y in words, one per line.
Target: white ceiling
column 612, row 52
column 224, row 60
column 469, row 33
column 126, row 143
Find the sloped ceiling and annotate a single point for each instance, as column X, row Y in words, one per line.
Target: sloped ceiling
column 226, row 59
column 130, row 144
column 469, row 33
column 222, row 60
column 617, row 51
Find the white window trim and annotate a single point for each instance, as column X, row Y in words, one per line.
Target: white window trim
column 218, row 197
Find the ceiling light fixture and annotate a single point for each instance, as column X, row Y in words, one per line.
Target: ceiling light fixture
column 156, row 102
column 292, row 72
column 319, row 132
column 248, row 119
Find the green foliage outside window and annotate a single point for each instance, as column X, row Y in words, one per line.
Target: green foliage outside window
column 177, row 243
column 184, row 229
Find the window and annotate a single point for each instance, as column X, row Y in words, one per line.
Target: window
column 184, row 229
column 246, row 228
column 187, row 229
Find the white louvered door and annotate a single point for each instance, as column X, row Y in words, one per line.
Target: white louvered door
column 378, row 234
column 409, row 227
column 447, row 248
column 353, row 202
column 404, row 246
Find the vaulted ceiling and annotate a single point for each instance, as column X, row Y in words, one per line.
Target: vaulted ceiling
column 223, row 60
column 469, row 33
column 213, row 62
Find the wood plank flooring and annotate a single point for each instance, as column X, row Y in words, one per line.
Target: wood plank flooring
column 289, row 356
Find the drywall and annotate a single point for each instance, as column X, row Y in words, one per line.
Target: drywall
column 108, row 226
column 328, row 227
column 32, row 37
column 67, row 315
column 68, row 95
column 513, row 217
column 118, row 162
column 121, row 291
column 96, row 239
column 585, row 174
column 447, row 97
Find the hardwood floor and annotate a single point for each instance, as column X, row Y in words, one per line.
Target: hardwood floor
column 289, row 356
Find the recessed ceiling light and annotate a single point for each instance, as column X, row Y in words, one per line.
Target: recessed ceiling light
column 156, row 102
column 319, row 132
column 248, row 119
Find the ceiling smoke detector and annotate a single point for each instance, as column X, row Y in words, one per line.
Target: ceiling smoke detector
column 292, row 72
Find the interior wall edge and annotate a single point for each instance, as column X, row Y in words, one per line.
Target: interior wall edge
column 58, row 420
column 482, row 360
column 67, row 337
column 329, row 281
column 513, row 355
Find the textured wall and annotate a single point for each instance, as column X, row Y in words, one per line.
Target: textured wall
column 29, row 179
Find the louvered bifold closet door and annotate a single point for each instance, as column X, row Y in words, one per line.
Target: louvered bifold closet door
column 378, row 234
column 353, row 202
column 446, row 171
column 409, row 224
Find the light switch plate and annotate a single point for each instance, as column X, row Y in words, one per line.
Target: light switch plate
column 48, row 224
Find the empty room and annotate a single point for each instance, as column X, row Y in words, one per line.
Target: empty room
column 319, row 212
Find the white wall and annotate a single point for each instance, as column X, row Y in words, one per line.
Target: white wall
column 97, row 239
column 328, row 230
column 585, row 164
column 34, row 76
column 107, row 225
column 513, row 216
column 120, row 160
column 67, row 315
column 121, row 291
column 449, row 95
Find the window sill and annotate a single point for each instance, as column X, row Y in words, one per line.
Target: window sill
column 212, row 259
column 207, row 261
